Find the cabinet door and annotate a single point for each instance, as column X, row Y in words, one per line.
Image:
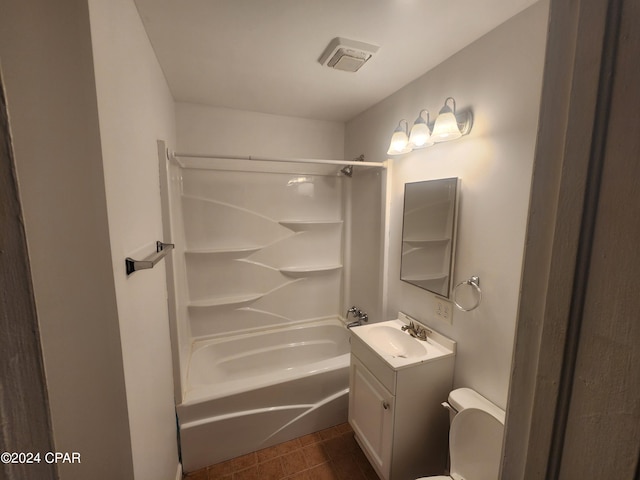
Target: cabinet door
column 371, row 408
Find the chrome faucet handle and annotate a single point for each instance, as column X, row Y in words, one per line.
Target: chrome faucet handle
column 421, row 334
column 358, row 314
column 353, row 310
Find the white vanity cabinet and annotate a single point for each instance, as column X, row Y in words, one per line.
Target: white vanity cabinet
column 371, row 408
column 395, row 407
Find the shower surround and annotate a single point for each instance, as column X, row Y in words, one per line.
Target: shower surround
column 256, row 290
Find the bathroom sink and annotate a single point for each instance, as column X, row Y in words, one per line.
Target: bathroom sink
column 394, row 342
column 396, row 347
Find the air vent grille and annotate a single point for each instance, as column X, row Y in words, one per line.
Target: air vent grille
column 347, row 55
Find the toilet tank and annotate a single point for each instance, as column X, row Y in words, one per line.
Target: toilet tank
column 462, row 398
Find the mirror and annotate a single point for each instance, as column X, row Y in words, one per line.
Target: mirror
column 429, row 234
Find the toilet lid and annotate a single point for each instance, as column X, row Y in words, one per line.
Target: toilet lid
column 439, row 477
column 475, row 445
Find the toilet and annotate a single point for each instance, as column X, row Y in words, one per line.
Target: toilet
column 475, row 437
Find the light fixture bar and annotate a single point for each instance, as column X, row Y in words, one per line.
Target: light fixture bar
column 465, row 121
column 448, row 125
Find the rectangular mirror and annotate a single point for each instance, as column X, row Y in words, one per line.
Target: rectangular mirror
column 429, row 234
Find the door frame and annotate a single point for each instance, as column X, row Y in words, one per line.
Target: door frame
column 577, row 320
column 26, row 420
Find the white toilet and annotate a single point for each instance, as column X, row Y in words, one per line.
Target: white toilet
column 475, row 438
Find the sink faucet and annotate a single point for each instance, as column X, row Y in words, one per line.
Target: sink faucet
column 416, row 331
column 359, row 315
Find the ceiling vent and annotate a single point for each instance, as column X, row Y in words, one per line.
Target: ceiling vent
column 347, row 55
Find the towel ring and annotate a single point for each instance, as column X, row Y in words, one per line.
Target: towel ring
column 475, row 283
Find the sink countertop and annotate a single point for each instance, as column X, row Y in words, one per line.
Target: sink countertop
column 400, row 349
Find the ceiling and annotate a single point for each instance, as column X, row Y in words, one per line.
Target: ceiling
column 262, row 55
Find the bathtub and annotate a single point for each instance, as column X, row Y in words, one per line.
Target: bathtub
column 251, row 391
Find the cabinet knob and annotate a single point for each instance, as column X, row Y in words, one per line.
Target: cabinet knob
column 385, row 405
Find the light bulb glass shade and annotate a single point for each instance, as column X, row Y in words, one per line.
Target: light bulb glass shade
column 420, row 135
column 399, row 140
column 446, row 126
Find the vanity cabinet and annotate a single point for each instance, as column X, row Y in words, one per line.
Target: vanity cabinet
column 396, row 413
column 370, row 414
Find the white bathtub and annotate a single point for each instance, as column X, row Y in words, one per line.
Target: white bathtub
column 251, row 391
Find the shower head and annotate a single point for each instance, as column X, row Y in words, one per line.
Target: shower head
column 348, row 170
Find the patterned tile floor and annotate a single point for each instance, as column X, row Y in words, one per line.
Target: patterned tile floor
column 330, row 454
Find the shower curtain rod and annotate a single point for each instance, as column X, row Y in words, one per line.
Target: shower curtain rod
column 355, row 161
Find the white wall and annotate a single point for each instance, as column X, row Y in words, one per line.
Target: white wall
column 45, row 50
column 136, row 109
column 202, row 129
column 88, row 173
column 499, row 77
column 366, row 285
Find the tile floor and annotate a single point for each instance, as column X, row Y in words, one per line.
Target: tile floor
column 330, row 454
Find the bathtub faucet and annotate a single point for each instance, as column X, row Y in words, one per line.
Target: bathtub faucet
column 353, row 310
column 359, row 315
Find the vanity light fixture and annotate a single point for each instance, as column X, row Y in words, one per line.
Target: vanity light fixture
column 448, row 125
column 420, row 135
column 400, row 140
